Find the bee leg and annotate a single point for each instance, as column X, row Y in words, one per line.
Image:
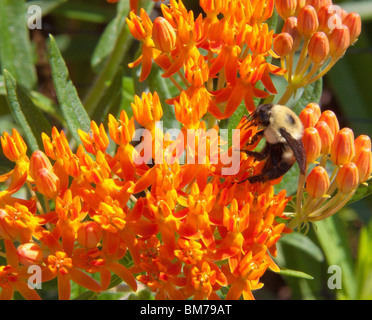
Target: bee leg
column 258, row 135
column 274, row 173
column 262, row 155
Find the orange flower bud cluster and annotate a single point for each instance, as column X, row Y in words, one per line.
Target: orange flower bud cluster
column 326, row 31
column 351, row 158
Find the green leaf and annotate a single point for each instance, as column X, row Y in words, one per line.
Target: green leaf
column 72, row 109
column 88, row 11
column 364, row 264
column 15, row 47
column 362, row 192
column 304, row 244
column 111, row 64
column 115, row 281
column 87, row 295
column 332, row 237
column 46, row 6
column 111, row 100
column 312, row 93
column 106, row 43
column 26, row 113
column 295, row 273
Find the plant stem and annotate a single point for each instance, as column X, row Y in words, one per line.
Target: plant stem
column 103, row 80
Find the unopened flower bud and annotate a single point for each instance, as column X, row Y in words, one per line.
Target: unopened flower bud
column 342, row 148
column 29, row 254
column 283, row 44
column 318, row 48
column 286, row 8
column 89, row 234
column 307, row 21
column 339, row 41
column 325, row 14
column 317, row 182
column 363, row 160
column 47, row 183
column 163, row 35
column 300, row 5
column 331, row 119
column 315, row 107
column 326, row 136
column 312, row 144
column 38, row 160
column 290, row 26
column 354, row 23
column 347, row 178
column 317, row 4
column 362, row 141
column 308, row 118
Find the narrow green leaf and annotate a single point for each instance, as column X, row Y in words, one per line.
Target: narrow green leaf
column 106, row 43
column 303, row 243
column 295, row 273
column 362, row 192
column 26, row 113
column 333, row 239
column 72, row 109
column 111, row 100
column 88, row 11
column 312, row 93
column 87, row 295
column 364, row 263
column 46, row 6
column 15, row 47
column 115, row 281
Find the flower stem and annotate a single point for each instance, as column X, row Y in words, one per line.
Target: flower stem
column 103, row 80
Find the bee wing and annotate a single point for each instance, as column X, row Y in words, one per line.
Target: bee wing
column 297, row 148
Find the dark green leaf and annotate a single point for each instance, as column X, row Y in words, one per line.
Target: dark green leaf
column 107, row 41
column 333, row 239
column 295, row 273
column 303, row 243
column 26, row 113
column 87, row 295
column 88, row 11
column 115, row 280
column 312, row 93
column 15, row 47
column 72, row 109
column 111, row 100
column 362, row 192
column 46, row 6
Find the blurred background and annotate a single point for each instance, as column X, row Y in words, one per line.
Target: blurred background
column 78, row 27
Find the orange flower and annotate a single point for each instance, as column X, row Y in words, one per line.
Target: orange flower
column 60, row 265
column 205, row 280
column 13, row 277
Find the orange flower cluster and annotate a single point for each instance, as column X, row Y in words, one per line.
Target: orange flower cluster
column 218, row 59
column 187, row 225
column 351, row 160
column 176, row 221
column 325, row 32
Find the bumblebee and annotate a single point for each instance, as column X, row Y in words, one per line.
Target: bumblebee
column 283, row 131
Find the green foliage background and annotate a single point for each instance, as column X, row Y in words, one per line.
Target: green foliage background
column 74, row 69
